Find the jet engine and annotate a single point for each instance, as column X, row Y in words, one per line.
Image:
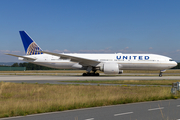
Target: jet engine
column 111, row 68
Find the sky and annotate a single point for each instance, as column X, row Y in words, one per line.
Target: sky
column 91, row 26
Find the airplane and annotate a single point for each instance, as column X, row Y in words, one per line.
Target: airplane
column 107, row 63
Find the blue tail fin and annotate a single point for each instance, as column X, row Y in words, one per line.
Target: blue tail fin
column 30, row 47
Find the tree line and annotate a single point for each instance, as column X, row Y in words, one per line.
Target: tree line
column 177, row 67
column 31, row 66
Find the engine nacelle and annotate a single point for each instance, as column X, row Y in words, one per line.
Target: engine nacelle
column 111, row 68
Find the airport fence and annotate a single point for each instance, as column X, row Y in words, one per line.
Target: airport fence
column 12, row 68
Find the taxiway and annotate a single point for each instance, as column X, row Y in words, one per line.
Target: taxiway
column 156, row 110
column 39, row 77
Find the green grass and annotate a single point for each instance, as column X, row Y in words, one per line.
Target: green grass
column 134, row 82
column 24, row 99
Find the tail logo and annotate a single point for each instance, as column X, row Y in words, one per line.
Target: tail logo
column 33, row 49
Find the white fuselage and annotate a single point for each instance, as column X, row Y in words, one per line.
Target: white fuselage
column 125, row 61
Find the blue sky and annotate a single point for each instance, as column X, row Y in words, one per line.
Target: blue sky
column 91, row 26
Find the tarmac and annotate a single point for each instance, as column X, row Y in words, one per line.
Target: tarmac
column 23, row 78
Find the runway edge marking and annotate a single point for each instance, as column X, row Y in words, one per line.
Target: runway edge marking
column 123, row 113
column 156, row 109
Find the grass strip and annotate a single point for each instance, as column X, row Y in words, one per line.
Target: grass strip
column 134, row 82
column 24, row 99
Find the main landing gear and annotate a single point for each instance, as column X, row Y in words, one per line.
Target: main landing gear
column 89, row 69
column 90, row 74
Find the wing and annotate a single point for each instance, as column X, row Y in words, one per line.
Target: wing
column 21, row 56
column 82, row 61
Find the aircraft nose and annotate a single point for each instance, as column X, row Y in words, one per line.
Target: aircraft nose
column 175, row 64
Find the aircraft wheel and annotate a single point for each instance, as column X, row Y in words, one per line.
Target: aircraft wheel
column 84, row 74
column 160, row 74
column 96, row 74
column 90, row 74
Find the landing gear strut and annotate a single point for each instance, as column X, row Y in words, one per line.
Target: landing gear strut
column 160, row 74
column 161, row 71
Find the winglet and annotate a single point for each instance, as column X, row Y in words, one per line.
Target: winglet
column 30, row 46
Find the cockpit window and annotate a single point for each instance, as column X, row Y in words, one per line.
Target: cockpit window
column 170, row 60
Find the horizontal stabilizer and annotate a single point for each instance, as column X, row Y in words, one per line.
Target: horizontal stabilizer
column 20, row 56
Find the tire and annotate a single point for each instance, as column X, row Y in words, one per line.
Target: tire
column 96, row 74
column 160, row 75
column 84, row 74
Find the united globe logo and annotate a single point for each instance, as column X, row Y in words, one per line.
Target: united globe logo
column 33, row 49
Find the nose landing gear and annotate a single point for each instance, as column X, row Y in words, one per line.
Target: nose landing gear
column 161, row 71
column 160, row 74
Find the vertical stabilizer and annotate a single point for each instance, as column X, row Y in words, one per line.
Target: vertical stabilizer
column 30, row 47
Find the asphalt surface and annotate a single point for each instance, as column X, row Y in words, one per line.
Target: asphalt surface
column 58, row 79
column 62, row 78
column 156, row 110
